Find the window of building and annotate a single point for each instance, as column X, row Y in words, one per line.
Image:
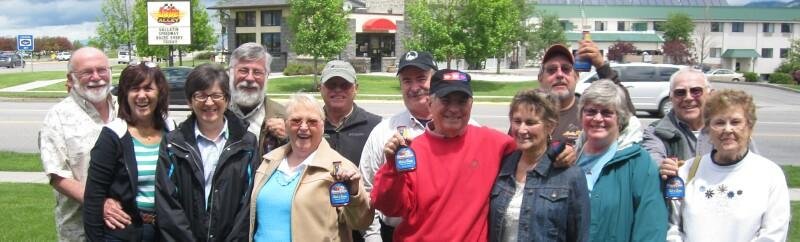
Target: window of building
column 786, row 28
column 716, row 27
column 245, row 38
column 640, row 26
column 784, row 53
column 766, row 52
column 737, row 27
column 599, row 26
column 658, row 26
column 271, row 18
column 566, row 25
column 715, row 52
column 271, row 41
column 767, row 28
column 621, row 26
column 246, row 19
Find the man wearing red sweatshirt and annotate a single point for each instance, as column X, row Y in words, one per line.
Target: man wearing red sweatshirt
column 447, row 197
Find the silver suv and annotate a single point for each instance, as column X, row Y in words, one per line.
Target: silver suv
column 648, row 85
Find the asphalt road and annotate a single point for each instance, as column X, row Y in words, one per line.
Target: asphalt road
column 38, row 66
column 777, row 131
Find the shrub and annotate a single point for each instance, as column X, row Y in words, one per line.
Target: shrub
column 750, row 76
column 780, row 78
column 294, row 68
column 205, row 55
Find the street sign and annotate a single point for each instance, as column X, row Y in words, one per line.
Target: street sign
column 25, row 42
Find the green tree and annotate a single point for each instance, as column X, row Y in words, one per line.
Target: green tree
column 436, row 28
column 492, row 27
column 202, row 33
column 319, row 28
column 679, row 26
column 76, row 44
column 546, row 32
column 115, row 24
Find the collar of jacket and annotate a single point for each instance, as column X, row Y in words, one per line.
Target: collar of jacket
column 624, row 154
column 236, row 128
column 509, row 168
column 321, row 159
column 357, row 116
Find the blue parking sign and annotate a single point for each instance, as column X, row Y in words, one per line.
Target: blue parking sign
column 25, row 42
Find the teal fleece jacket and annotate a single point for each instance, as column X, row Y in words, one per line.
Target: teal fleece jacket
column 626, row 201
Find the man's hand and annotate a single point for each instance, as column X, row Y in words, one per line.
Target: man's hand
column 395, row 142
column 277, row 127
column 588, row 50
column 114, row 216
column 567, row 157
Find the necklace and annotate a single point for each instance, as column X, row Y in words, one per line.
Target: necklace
column 282, row 179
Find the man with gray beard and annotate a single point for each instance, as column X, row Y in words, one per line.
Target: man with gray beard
column 249, row 70
column 70, row 130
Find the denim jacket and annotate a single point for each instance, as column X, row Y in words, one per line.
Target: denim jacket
column 555, row 202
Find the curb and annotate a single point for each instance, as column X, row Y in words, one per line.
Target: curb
column 763, row 84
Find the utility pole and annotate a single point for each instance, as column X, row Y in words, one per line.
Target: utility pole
column 128, row 31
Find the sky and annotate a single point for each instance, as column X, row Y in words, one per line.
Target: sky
column 75, row 19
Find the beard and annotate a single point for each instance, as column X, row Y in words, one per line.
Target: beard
column 246, row 98
column 91, row 95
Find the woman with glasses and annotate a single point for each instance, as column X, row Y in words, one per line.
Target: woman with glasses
column 532, row 199
column 292, row 198
column 624, row 187
column 203, row 182
column 732, row 194
column 123, row 163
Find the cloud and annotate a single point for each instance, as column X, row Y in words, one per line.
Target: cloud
column 81, row 31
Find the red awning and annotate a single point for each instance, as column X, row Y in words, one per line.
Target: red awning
column 379, row 25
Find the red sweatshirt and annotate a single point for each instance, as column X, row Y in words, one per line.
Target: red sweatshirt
column 447, row 197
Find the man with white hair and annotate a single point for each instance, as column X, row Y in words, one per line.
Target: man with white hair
column 70, row 130
column 249, row 70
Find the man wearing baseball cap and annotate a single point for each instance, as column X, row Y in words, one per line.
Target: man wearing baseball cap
column 446, row 198
column 347, row 126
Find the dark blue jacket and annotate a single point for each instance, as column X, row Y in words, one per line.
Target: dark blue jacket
column 555, row 202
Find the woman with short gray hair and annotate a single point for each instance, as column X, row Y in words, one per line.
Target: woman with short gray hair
column 623, row 182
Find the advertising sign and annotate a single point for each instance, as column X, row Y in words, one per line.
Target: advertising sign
column 25, row 42
column 169, row 23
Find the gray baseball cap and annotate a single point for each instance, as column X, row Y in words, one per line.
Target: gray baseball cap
column 338, row 68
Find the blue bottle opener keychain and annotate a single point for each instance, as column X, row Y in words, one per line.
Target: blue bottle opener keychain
column 339, row 193
column 404, row 158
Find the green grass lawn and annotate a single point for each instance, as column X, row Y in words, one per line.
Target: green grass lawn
column 388, row 85
column 27, row 212
column 15, row 161
column 13, row 79
column 792, row 174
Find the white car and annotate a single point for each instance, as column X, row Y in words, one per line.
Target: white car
column 724, row 75
column 63, row 56
column 648, row 85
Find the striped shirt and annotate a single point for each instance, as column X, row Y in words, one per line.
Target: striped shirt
column 146, row 159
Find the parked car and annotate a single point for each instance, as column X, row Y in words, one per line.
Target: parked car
column 176, row 78
column 648, row 85
column 63, row 56
column 11, row 60
column 724, row 75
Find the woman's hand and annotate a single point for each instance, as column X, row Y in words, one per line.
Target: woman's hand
column 351, row 177
column 669, row 167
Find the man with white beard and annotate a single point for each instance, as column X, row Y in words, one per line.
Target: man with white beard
column 70, row 130
column 249, row 70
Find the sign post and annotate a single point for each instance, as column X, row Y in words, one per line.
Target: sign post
column 25, row 43
column 169, row 23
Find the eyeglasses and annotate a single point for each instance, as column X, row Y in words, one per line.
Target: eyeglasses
column 552, row 69
column 694, row 91
column 721, row 124
column 202, row 97
column 102, row 71
column 591, row 112
column 297, row 122
column 254, row 72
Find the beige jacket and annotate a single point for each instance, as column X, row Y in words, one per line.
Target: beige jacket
column 313, row 217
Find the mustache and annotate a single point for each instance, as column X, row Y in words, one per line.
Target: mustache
column 418, row 93
column 247, row 84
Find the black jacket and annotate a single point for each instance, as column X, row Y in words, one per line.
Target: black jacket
column 180, row 196
column 350, row 137
column 113, row 174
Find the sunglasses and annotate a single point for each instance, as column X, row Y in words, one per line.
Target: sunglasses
column 297, row 122
column 552, row 69
column 694, row 91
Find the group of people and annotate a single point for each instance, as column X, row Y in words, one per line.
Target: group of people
column 243, row 167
